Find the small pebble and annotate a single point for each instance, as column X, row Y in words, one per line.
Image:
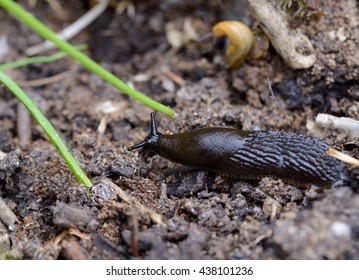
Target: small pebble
column 341, row 229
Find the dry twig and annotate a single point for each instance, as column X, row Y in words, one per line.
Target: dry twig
column 7, row 216
column 156, row 218
column 73, row 29
column 291, row 44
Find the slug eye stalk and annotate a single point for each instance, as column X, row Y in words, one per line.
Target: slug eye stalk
column 150, row 140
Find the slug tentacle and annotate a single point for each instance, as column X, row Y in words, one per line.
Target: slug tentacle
column 150, row 140
column 295, row 158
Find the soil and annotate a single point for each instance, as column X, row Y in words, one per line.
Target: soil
column 147, row 207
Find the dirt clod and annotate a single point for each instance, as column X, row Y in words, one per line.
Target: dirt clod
column 66, row 216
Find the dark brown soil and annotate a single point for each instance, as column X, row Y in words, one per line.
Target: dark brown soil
column 159, row 210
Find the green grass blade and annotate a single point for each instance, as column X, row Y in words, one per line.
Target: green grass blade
column 38, row 59
column 48, row 129
column 46, row 33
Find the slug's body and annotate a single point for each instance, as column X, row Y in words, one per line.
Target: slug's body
column 295, row 158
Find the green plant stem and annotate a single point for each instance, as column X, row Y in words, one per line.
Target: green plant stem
column 38, row 59
column 48, row 129
column 46, row 33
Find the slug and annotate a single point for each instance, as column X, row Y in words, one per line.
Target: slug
column 296, row 159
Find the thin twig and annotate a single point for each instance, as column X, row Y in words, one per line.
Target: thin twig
column 157, row 218
column 163, row 197
column 342, row 157
column 275, row 98
column 47, row 80
column 101, row 130
column 23, row 126
column 73, row 29
column 134, row 233
column 7, row 216
column 57, row 8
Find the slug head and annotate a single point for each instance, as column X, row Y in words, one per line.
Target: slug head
column 151, row 139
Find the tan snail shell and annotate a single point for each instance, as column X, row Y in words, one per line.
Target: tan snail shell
column 241, row 38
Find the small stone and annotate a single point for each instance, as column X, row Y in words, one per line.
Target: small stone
column 66, row 216
column 190, row 209
column 341, row 229
column 271, row 207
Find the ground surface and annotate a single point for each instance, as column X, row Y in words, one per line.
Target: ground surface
column 158, row 211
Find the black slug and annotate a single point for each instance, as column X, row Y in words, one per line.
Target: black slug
column 295, row 158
